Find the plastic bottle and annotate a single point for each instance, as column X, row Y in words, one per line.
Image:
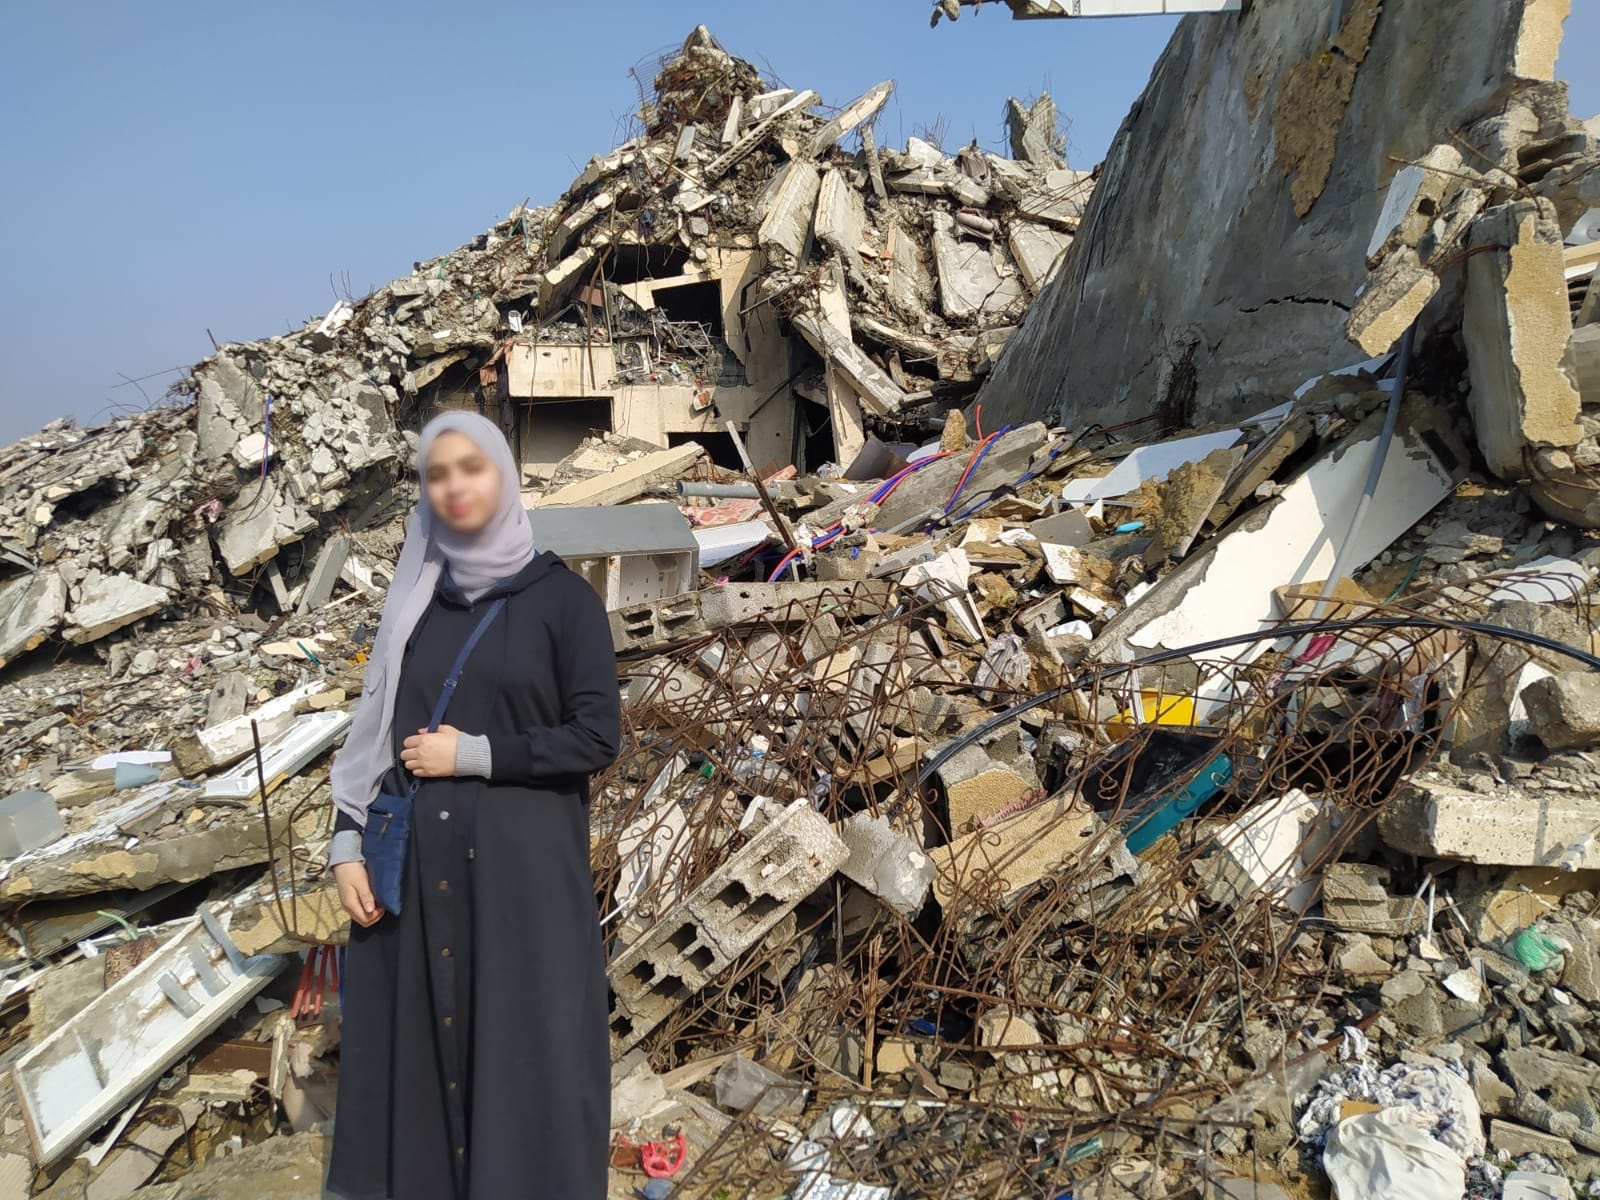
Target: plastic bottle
column 751, row 759
column 698, row 784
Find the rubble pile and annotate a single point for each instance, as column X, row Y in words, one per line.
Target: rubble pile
column 1194, row 811
column 902, row 270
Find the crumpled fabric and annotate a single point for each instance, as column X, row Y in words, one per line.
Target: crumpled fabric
column 1387, row 1156
column 1436, row 1094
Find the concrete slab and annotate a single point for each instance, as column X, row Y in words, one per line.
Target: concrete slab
column 786, row 222
column 106, row 603
column 625, row 482
column 969, row 281
column 1227, row 588
column 1506, row 828
column 1516, row 325
column 841, row 216
column 31, row 609
column 862, row 109
column 871, row 383
column 1038, row 251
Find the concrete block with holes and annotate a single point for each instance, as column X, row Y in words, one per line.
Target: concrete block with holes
column 642, row 628
column 722, row 918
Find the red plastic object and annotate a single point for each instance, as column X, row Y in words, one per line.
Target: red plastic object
column 662, row 1159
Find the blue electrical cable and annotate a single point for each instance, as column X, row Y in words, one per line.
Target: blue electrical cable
column 973, row 469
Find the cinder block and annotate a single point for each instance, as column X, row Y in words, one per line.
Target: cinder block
column 721, row 919
column 644, row 627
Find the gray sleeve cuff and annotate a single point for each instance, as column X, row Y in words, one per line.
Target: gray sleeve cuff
column 472, row 754
column 345, row 847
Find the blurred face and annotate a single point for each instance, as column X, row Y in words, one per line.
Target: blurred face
column 462, row 482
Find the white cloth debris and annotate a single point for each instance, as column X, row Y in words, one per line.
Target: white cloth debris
column 1387, row 1156
column 1442, row 1100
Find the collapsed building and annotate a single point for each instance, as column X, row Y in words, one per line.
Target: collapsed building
column 1173, row 779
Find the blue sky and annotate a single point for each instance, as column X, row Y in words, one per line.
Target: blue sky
column 172, row 167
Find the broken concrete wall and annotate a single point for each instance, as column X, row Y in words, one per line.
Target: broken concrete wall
column 1191, row 267
column 1517, row 329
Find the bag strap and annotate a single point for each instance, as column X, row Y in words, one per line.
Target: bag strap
column 454, row 677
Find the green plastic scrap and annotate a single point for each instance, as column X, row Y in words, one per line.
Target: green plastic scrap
column 1536, row 949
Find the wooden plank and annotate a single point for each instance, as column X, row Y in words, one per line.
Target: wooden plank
column 130, row 1035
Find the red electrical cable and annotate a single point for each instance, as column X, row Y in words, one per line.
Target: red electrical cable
column 966, row 474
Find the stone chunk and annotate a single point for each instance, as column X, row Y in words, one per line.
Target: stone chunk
column 1355, row 898
column 325, row 574
column 1390, row 301
column 1556, row 1092
column 886, row 862
column 1415, row 195
column 229, row 406
column 257, row 526
column 1564, row 710
column 897, row 1054
column 1509, row 828
column 106, row 603
column 1001, row 1026
column 977, row 786
column 1517, row 1140
column 1002, row 858
column 230, row 695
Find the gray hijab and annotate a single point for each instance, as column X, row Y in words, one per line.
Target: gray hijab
column 476, row 562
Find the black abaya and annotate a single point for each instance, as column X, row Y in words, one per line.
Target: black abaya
column 475, row 1062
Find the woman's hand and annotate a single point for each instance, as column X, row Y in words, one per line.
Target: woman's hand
column 355, row 892
column 430, row 755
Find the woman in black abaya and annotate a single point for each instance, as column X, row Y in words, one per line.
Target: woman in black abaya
column 475, row 1061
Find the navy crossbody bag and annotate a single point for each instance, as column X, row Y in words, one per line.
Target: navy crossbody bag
column 388, row 829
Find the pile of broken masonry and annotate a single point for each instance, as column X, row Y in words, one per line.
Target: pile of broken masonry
column 1163, row 811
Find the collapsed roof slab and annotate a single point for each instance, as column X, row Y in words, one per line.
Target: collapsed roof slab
column 31, row 609
column 786, row 225
column 1191, row 228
